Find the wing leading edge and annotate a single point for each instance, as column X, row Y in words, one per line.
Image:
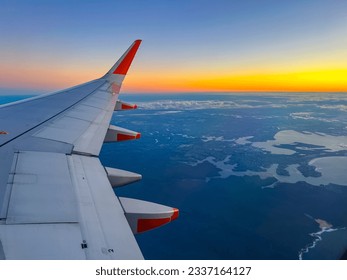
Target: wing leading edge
column 56, row 198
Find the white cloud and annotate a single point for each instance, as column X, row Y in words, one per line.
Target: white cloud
column 339, row 107
column 309, row 116
column 201, row 104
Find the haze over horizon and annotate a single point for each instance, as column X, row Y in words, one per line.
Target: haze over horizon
column 188, row 46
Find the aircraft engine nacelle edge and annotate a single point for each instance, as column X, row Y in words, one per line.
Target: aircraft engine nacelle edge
column 119, row 177
column 121, row 106
column 116, row 134
column 143, row 215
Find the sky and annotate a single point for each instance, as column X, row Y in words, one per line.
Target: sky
column 188, row 45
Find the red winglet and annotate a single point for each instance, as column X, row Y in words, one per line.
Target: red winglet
column 123, row 67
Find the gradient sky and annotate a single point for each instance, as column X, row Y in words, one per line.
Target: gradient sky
column 190, row 45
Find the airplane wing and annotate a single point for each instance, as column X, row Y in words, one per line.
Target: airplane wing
column 56, row 198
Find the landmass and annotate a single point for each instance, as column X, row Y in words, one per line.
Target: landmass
column 323, row 224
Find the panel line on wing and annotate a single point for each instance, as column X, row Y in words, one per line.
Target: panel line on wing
column 51, row 117
column 41, row 190
column 9, row 185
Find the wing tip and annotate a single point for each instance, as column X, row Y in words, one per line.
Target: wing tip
column 126, row 61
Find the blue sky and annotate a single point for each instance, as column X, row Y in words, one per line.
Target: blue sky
column 76, row 40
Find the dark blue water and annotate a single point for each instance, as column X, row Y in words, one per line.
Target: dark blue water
column 186, row 155
column 12, row 98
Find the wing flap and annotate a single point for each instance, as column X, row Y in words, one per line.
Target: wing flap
column 104, row 225
column 41, row 190
column 78, row 211
column 42, row 241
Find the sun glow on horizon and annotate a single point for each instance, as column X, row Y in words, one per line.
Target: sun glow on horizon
column 321, row 80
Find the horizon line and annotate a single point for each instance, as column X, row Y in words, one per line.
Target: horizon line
column 31, row 92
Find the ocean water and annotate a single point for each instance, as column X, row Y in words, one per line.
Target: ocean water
column 255, row 176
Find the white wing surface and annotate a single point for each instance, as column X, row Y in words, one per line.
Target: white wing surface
column 56, row 198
